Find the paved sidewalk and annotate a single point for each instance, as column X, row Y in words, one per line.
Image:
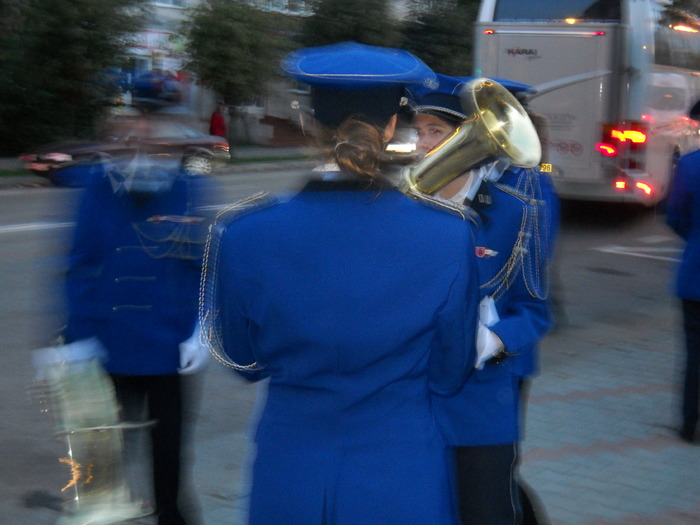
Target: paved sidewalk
column 600, row 445
column 599, row 448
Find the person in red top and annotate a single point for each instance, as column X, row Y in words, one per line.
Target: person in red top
column 217, row 123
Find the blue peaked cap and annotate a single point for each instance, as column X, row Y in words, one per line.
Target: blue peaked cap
column 353, row 79
column 351, row 65
column 443, row 100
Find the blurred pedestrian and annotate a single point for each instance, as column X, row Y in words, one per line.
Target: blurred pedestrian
column 132, row 286
column 217, row 122
column 355, row 301
column 518, row 213
column 683, row 216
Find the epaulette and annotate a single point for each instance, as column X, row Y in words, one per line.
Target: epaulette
column 245, row 206
column 461, row 210
column 527, row 188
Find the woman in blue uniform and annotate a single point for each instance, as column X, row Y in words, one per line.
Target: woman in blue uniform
column 356, row 302
column 518, row 213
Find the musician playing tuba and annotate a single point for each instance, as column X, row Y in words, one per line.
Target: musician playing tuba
column 515, row 240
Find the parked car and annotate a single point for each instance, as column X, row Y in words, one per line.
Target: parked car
column 156, row 89
column 163, row 140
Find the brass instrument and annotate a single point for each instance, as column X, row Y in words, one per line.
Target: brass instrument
column 498, row 126
column 83, row 399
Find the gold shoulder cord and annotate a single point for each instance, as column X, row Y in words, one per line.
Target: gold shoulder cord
column 209, row 319
column 533, row 229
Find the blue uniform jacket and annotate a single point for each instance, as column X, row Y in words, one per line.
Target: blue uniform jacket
column 357, row 302
column 683, row 216
column 514, row 243
column 133, row 274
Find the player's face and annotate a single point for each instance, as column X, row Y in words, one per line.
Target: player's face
column 431, row 130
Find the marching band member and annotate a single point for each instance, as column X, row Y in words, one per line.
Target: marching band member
column 132, row 289
column 515, row 239
column 356, row 302
column 683, row 217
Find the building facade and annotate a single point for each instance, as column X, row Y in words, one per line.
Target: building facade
column 158, row 55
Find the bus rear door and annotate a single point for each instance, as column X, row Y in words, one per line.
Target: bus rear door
column 581, row 60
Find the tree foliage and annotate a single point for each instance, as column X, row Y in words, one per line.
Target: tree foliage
column 53, row 54
column 683, row 11
column 366, row 21
column 442, row 36
column 234, row 48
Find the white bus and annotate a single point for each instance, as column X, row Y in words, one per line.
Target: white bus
column 614, row 82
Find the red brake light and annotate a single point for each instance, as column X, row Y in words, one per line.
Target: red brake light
column 606, row 150
column 633, row 135
column 622, row 185
column 644, row 187
column 489, row 31
column 623, row 139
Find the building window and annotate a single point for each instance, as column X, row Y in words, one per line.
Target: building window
column 175, row 3
column 287, row 6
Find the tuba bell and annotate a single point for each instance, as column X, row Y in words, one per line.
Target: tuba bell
column 498, row 127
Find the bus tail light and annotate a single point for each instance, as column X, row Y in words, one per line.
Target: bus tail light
column 645, row 188
column 628, row 184
column 626, row 141
column 630, row 134
column 606, row 150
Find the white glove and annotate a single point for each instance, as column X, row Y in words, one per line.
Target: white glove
column 488, row 344
column 193, row 354
column 488, row 315
column 44, row 359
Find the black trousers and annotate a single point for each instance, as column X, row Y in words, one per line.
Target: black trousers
column 691, row 389
column 489, row 491
column 158, row 398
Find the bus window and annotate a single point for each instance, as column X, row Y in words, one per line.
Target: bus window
column 509, row 10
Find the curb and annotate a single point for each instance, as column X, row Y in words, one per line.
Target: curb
column 35, row 181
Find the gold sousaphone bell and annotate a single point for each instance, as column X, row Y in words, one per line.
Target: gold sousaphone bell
column 498, row 127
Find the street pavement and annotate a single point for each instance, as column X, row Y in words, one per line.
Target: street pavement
column 600, row 447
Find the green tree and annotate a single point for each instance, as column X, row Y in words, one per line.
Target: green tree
column 441, row 34
column 366, row 21
column 52, row 60
column 683, row 11
column 234, row 48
